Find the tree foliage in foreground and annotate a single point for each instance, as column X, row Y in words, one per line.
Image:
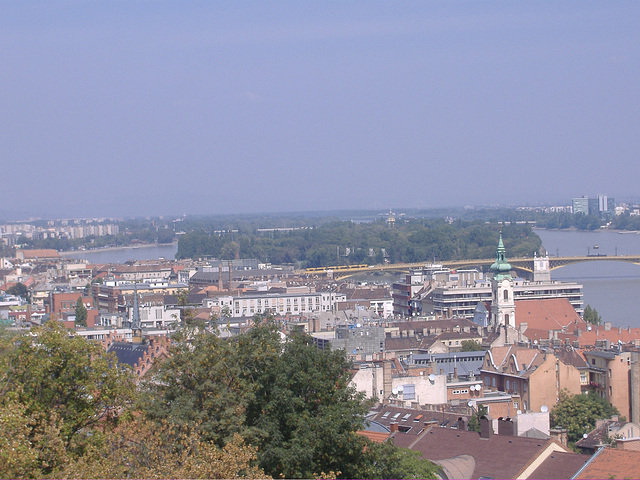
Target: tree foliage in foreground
column 65, row 413
column 389, row 461
column 246, row 407
column 62, row 378
column 141, row 449
column 290, row 400
column 578, row 413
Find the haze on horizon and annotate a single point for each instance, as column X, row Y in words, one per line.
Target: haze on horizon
column 149, row 108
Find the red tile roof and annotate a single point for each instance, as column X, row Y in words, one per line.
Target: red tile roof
column 612, row 463
column 547, row 314
column 589, row 337
column 377, row 437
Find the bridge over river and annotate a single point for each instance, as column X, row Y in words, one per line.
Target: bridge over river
column 523, row 266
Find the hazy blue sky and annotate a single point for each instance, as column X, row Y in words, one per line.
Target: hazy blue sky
column 154, row 107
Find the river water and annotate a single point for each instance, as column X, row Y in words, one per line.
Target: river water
column 611, row 287
column 124, row 254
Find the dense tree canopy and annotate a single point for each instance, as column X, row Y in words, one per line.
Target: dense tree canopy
column 55, row 387
column 60, row 376
column 346, row 242
column 19, row 290
column 65, row 412
column 247, row 407
column 578, row 413
column 287, row 398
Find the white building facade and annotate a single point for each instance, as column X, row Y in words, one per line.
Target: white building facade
column 275, row 303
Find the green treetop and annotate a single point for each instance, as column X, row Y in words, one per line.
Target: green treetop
column 591, row 315
column 286, row 397
column 578, row 413
column 81, row 313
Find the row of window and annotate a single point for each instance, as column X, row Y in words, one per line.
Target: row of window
column 511, row 386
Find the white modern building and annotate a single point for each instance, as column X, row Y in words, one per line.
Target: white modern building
column 276, row 303
column 462, row 301
column 157, row 316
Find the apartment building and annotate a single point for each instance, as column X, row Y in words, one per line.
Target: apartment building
column 459, row 301
column 247, row 305
column 613, row 376
column 533, row 378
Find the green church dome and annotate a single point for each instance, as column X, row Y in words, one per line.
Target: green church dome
column 500, row 266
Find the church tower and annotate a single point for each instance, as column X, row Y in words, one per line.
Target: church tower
column 503, row 310
column 541, row 270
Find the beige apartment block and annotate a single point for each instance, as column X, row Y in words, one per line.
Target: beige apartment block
column 610, row 379
column 532, row 377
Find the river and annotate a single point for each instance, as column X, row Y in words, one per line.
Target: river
column 611, row 287
column 124, row 254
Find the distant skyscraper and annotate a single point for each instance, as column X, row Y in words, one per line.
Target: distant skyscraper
column 600, row 205
column 581, row 205
column 606, row 205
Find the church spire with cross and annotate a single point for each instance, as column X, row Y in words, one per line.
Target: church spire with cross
column 501, row 267
column 503, row 310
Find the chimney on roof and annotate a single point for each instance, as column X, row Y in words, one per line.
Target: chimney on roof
column 627, row 444
column 462, row 423
column 393, row 427
column 559, row 435
column 486, row 429
column 507, row 427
